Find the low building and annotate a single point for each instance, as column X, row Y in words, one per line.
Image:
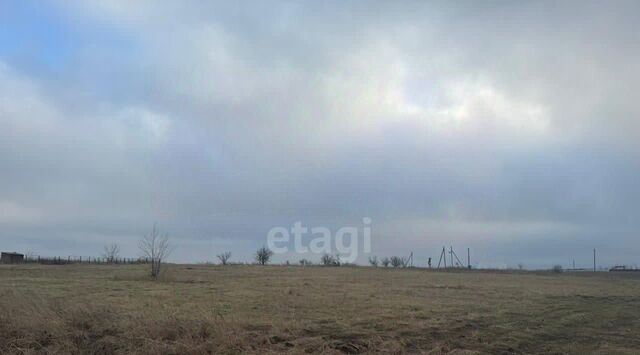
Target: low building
column 11, row 258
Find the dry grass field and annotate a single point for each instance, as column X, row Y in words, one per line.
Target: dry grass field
column 250, row 309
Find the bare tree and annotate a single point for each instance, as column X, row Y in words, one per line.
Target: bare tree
column 373, row 260
column 330, row 260
column 111, row 252
column 155, row 247
column 520, row 266
column 224, row 257
column 327, row 259
column 263, row 255
column 385, row 262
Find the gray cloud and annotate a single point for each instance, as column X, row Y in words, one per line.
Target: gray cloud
column 507, row 128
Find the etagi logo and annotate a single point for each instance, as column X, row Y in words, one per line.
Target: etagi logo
column 320, row 240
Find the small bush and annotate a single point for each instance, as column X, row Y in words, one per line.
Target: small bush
column 330, row 260
column 373, row 260
column 557, row 268
column 397, row 261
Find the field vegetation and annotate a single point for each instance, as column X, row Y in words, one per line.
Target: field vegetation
column 200, row 309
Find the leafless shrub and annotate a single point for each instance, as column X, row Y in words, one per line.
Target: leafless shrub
column 385, row 262
column 263, row 255
column 520, row 266
column 397, row 261
column 327, row 259
column 305, row 262
column 224, row 257
column 557, row 268
column 373, row 260
column 111, row 252
column 155, row 247
column 330, row 260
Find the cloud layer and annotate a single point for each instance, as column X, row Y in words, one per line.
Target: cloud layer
column 507, row 128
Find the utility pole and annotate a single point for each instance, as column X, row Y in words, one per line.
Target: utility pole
column 444, row 254
column 451, row 253
column 468, row 259
column 594, row 260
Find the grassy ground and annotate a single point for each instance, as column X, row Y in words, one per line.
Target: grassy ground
column 251, row 309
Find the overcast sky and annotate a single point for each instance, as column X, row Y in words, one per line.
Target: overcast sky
column 510, row 128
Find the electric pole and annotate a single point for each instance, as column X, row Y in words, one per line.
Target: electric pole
column 451, row 253
column 444, row 253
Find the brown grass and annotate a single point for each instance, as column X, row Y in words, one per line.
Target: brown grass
column 88, row 309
